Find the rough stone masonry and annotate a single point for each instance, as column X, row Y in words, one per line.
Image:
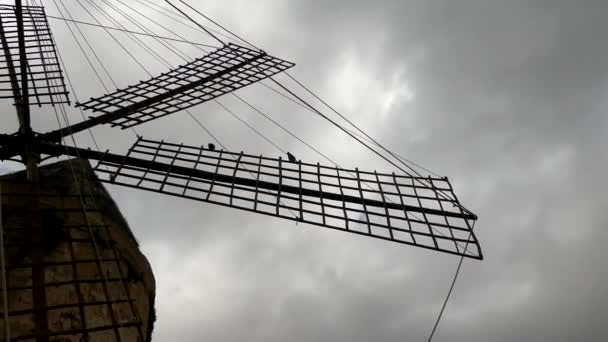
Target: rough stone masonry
column 73, row 267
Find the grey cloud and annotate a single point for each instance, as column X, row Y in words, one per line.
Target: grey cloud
column 509, row 100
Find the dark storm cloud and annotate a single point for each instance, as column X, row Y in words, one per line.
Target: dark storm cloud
column 508, row 98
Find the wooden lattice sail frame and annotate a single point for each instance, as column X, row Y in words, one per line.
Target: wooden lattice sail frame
column 415, row 210
column 398, row 207
column 44, row 75
column 419, row 211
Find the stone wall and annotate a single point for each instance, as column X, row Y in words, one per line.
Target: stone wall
column 74, row 269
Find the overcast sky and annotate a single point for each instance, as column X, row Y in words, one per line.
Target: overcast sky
column 507, row 98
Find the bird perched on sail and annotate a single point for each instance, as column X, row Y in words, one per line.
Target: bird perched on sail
column 211, row 147
column 291, row 158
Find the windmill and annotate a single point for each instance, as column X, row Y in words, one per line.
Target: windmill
column 405, row 208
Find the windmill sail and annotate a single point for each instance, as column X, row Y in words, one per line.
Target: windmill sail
column 45, row 77
column 418, row 211
column 74, row 270
column 223, row 71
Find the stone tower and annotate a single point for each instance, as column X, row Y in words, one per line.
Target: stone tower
column 73, row 267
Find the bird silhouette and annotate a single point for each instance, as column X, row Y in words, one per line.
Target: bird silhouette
column 211, row 147
column 291, row 157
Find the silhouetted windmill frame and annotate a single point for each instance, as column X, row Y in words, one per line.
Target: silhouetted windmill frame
column 403, row 208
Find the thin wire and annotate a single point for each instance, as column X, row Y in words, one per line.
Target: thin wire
column 317, row 97
column 99, row 60
column 202, row 126
column 83, row 51
column 286, row 130
column 314, row 110
column 65, row 117
column 241, row 98
column 196, row 120
column 67, row 76
column 163, row 60
column 315, row 150
column 216, row 23
column 199, row 25
column 114, row 38
column 263, row 83
column 253, row 129
column 257, row 110
column 337, row 125
column 177, row 18
column 292, row 100
column 88, row 44
column 168, row 46
column 346, row 119
column 132, row 37
column 406, row 160
column 374, row 142
column 398, row 156
column 452, row 285
column 89, row 62
column 129, row 31
column 439, row 193
column 419, row 180
column 7, row 326
column 172, row 48
column 403, row 160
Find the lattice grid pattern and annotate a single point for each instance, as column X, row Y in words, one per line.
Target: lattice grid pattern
column 412, row 210
column 55, row 277
column 223, row 71
column 45, row 78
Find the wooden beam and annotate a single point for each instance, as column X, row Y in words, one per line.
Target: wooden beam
column 134, row 108
column 23, row 108
column 56, row 149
